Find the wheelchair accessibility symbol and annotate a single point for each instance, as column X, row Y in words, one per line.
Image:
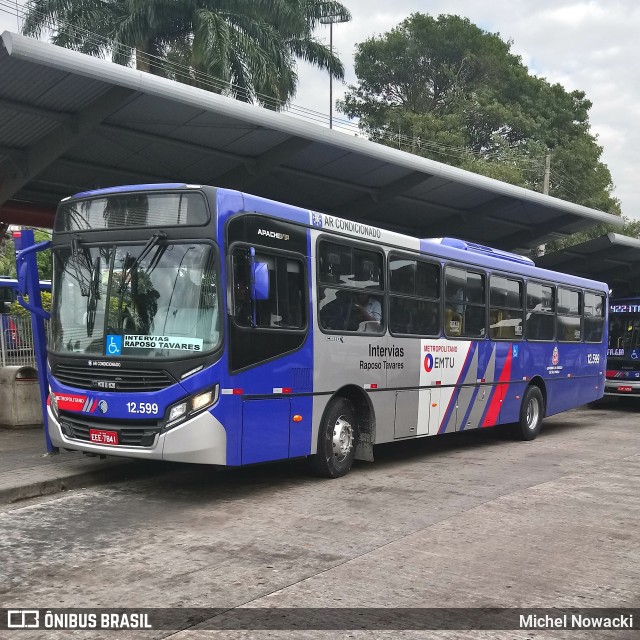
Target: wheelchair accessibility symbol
column 635, row 354
column 114, row 345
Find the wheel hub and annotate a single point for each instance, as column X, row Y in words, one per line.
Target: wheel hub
column 532, row 414
column 342, row 437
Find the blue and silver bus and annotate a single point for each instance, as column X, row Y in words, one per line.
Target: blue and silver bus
column 204, row 325
column 623, row 355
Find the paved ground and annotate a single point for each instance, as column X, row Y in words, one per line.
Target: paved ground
column 467, row 520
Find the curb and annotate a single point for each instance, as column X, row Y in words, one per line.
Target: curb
column 49, row 481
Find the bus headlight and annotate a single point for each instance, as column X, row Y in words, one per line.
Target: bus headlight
column 202, row 400
column 177, row 411
column 53, row 403
column 193, row 405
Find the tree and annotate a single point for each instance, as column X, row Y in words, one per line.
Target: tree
column 249, row 47
column 16, row 309
column 445, row 89
column 43, row 258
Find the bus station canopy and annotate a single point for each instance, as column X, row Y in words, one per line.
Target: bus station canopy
column 70, row 122
column 612, row 258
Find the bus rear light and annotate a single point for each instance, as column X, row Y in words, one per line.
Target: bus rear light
column 611, row 373
column 282, row 390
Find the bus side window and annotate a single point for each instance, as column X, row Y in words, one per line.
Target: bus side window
column 540, row 322
column 350, row 288
column 593, row 317
column 506, row 314
column 569, row 318
column 414, row 296
column 465, row 305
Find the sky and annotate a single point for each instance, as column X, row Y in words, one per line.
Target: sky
column 588, row 45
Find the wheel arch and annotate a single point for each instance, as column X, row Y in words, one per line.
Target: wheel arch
column 365, row 413
column 537, row 381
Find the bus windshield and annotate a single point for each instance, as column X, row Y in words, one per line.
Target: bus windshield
column 624, row 333
column 152, row 301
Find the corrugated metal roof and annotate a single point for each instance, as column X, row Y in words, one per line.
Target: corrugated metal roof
column 612, row 258
column 87, row 123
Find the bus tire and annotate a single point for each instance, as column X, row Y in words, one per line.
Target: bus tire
column 336, row 440
column 531, row 414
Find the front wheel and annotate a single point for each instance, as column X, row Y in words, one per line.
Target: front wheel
column 531, row 414
column 336, row 440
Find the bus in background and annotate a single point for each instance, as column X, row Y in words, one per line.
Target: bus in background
column 9, row 291
column 623, row 354
column 205, row 325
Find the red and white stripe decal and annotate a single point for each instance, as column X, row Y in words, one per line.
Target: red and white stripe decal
column 500, row 391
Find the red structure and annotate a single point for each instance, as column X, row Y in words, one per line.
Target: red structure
column 28, row 214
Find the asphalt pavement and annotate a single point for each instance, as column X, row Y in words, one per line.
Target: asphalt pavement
column 463, row 520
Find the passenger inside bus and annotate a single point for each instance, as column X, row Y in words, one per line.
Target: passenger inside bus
column 334, row 315
column 365, row 309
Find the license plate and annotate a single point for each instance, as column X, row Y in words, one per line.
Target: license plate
column 100, row 436
column 625, row 389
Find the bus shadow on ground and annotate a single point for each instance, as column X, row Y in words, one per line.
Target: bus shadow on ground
column 193, row 483
column 616, row 403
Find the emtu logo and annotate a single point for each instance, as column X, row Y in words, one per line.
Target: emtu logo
column 428, row 363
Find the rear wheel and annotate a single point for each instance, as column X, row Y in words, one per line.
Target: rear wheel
column 531, row 414
column 336, row 440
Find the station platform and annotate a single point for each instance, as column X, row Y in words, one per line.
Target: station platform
column 27, row 471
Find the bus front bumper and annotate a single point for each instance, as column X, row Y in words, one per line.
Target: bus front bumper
column 201, row 440
column 619, row 387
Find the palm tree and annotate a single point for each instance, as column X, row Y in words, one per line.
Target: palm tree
column 250, row 47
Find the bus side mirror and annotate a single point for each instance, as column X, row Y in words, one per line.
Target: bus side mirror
column 260, row 281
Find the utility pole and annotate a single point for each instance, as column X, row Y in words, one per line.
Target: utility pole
column 545, row 189
column 547, row 172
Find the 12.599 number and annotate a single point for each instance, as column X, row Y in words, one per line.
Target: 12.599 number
column 142, row 407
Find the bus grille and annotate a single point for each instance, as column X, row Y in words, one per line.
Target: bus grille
column 83, row 377
column 141, row 433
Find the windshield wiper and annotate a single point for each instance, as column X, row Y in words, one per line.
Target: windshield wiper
column 130, row 266
column 93, row 297
column 158, row 237
column 81, row 259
